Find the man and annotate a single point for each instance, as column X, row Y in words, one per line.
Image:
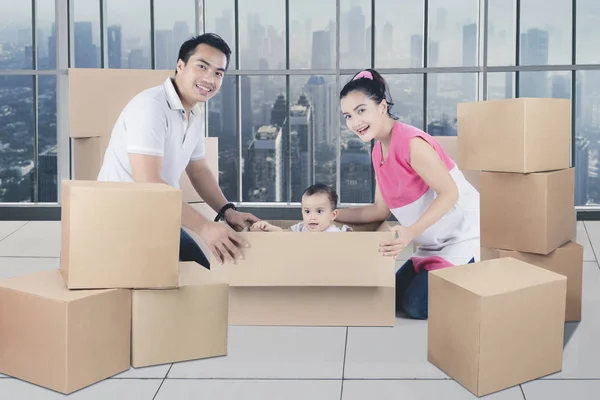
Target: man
column 160, row 134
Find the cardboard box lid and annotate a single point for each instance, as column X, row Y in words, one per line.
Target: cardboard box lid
column 497, row 276
column 193, row 274
column 313, row 259
column 47, row 284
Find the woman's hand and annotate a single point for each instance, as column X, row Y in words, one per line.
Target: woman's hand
column 403, row 236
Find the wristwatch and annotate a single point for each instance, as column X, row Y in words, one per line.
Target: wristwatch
column 221, row 213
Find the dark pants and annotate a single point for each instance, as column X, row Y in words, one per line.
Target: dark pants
column 412, row 290
column 190, row 251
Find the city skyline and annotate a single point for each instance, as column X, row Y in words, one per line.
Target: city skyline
column 453, row 40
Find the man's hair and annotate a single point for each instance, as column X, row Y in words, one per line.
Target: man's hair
column 322, row 188
column 212, row 39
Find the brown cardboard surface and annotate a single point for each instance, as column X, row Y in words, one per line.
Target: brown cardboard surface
column 496, row 324
column 60, row 339
column 186, row 323
column 212, row 158
column 98, row 95
column 120, row 235
column 514, row 135
column 450, row 146
column 325, row 278
column 567, row 260
column 88, row 154
column 534, row 213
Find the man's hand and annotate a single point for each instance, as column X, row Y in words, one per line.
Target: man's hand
column 223, row 241
column 239, row 221
column 403, row 236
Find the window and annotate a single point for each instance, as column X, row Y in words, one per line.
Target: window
column 355, row 34
column 86, row 35
column 128, row 30
column 173, row 24
column 444, row 92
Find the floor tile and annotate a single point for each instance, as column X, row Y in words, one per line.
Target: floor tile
column 8, row 227
column 273, row 352
column 17, row 266
column 249, row 389
column 156, row 371
column 580, row 356
column 562, row 389
column 593, row 231
column 114, row 389
column 390, row 353
column 36, row 239
column 418, row 390
column 584, row 240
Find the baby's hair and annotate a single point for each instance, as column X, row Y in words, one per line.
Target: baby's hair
column 372, row 84
column 322, row 188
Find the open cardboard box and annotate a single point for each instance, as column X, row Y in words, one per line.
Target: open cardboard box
column 315, row 279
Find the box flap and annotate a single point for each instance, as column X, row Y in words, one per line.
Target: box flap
column 47, row 284
column 313, row 259
column 501, row 275
column 193, row 274
column 125, row 186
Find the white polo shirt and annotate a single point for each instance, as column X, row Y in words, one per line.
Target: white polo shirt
column 154, row 123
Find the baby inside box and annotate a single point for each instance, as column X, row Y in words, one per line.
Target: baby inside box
column 312, row 278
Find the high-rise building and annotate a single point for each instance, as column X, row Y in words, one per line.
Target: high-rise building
column 356, row 172
column 115, row 45
column 47, row 176
column 582, row 157
column 262, row 175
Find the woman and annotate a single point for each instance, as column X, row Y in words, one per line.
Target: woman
column 437, row 208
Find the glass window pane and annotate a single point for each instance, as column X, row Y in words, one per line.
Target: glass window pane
column 128, row 34
column 355, row 34
column 588, row 31
column 545, row 84
column 220, row 20
column 407, row 95
column 444, row 92
column 312, row 35
column 47, row 140
column 587, row 138
column 46, row 40
column 313, row 141
column 86, row 49
column 500, row 85
column 173, row 24
column 16, row 138
column 262, row 34
column 15, row 35
column 546, row 37
column 501, row 32
column 264, row 139
column 222, row 111
column 453, row 33
column 399, row 41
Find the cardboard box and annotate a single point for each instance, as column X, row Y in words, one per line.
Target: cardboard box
column 181, row 324
column 62, row 339
column 450, row 146
column 98, row 95
column 515, row 135
column 496, row 324
column 314, row 279
column 534, row 213
column 567, row 260
column 120, row 235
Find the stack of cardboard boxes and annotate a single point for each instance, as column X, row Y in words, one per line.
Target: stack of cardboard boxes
column 500, row 322
column 120, row 299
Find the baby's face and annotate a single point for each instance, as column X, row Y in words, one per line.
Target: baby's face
column 317, row 213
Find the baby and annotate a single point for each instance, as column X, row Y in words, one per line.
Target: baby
column 319, row 210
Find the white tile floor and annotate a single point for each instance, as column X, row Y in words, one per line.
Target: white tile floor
column 314, row 363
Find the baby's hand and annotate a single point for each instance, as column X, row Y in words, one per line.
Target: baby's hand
column 261, row 226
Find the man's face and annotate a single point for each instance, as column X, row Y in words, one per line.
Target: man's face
column 202, row 76
column 317, row 212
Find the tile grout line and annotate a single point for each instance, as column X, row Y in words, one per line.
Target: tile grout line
column 344, row 365
column 15, row 231
column 163, row 381
column 522, row 392
column 591, row 244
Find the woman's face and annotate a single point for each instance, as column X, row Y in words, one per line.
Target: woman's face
column 363, row 116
